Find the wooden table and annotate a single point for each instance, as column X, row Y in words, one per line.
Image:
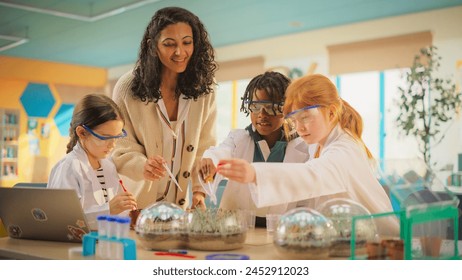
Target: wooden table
column 258, row 246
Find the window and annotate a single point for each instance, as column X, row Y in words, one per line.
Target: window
column 229, row 116
column 377, row 106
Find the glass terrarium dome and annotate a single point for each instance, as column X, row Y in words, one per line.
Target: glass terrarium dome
column 304, row 233
column 341, row 212
column 160, row 225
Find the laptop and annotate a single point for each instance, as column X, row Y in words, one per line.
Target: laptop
column 42, row 214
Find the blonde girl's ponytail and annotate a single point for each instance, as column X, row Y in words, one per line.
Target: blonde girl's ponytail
column 352, row 122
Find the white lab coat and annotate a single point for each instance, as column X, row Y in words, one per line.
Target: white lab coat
column 239, row 144
column 342, row 170
column 75, row 172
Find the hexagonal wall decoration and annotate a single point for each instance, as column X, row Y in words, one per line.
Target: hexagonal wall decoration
column 37, row 100
column 63, row 118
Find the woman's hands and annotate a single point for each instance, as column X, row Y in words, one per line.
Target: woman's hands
column 238, row 170
column 154, row 169
column 121, row 202
column 198, row 200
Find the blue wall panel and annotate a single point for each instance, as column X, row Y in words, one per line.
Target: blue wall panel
column 63, row 118
column 37, row 100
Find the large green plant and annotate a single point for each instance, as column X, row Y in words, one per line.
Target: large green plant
column 426, row 102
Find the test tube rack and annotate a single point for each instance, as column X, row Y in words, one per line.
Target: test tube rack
column 90, row 239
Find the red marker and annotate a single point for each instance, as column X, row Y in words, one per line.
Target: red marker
column 174, row 255
column 122, row 184
column 222, row 165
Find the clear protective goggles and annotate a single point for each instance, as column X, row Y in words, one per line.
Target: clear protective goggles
column 105, row 140
column 271, row 109
column 305, row 115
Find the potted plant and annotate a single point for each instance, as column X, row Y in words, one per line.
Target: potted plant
column 427, row 102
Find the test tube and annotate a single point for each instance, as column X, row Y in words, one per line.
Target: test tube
column 111, row 234
column 123, row 227
column 102, row 233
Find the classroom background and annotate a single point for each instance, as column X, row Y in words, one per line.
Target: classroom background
column 366, row 55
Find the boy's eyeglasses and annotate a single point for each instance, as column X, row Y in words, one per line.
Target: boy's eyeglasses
column 271, row 109
column 104, row 140
column 304, row 115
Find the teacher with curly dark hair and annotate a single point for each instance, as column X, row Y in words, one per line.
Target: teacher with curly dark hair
column 168, row 102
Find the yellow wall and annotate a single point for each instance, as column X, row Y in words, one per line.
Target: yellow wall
column 15, row 74
column 51, row 72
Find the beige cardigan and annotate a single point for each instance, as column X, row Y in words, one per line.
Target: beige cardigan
column 144, row 140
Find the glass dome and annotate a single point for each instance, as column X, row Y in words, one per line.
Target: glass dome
column 304, row 233
column 341, row 211
column 215, row 229
column 160, row 226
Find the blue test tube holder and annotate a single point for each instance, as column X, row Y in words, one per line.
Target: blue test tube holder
column 89, row 245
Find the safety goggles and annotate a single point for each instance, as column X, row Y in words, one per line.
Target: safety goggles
column 305, row 115
column 105, row 140
column 271, row 109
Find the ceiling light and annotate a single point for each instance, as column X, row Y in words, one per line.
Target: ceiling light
column 16, row 42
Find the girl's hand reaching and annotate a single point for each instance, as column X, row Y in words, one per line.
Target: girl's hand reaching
column 238, row 170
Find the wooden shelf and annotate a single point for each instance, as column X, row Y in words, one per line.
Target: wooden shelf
column 9, row 145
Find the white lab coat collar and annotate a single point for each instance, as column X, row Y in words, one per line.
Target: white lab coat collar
column 299, row 145
column 297, row 151
column 335, row 133
column 89, row 173
column 264, row 148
